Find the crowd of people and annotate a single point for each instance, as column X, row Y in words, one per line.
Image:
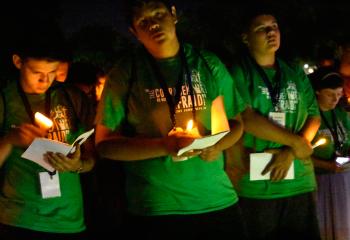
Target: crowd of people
column 266, row 178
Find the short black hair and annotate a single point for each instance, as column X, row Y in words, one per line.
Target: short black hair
column 326, row 77
column 252, row 9
column 43, row 41
column 130, row 7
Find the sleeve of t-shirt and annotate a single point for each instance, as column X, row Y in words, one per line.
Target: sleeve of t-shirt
column 241, row 83
column 111, row 109
column 347, row 122
column 233, row 102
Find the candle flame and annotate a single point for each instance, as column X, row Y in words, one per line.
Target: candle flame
column 319, row 142
column 189, row 125
column 43, row 120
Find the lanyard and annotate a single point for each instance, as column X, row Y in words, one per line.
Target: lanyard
column 334, row 129
column 172, row 102
column 27, row 104
column 273, row 91
column 30, row 111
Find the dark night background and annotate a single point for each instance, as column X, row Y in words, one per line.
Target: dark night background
column 97, row 32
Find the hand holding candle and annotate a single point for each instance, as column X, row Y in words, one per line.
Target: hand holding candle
column 42, row 121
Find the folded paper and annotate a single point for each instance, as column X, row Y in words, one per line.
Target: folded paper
column 35, row 152
column 203, row 142
column 258, row 162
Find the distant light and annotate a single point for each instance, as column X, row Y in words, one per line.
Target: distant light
column 310, row 70
column 306, row 65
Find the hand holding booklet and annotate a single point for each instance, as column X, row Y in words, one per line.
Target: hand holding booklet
column 35, row 152
column 258, row 162
column 204, row 142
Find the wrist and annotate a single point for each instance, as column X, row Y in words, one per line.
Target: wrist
column 295, row 141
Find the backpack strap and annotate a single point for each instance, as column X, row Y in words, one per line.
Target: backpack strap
column 133, row 77
column 70, row 102
column 127, row 128
column 68, row 97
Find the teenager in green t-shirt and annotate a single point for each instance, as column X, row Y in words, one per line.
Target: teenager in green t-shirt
column 36, row 202
column 332, row 174
column 282, row 118
column 148, row 98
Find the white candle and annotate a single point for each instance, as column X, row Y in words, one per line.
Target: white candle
column 43, row 121
column 321, row 141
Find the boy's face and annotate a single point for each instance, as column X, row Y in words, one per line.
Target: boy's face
column 36, row 75
column 62, row 71
column 328, row 98
column 154, row 24
column 263, row 35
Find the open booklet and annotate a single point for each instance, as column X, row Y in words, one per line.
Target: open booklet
column 258, row 162
column 204, row 142
column 35, row 152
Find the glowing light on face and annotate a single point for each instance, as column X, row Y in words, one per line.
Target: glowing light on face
column 43, row 121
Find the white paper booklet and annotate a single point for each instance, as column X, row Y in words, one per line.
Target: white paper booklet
column 258, row 162
column 35, row 152
column 203, row 142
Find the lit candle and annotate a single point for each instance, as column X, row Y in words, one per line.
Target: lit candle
column 189, row 125
column 43, row 121
column 193, row 131
column 321, row 141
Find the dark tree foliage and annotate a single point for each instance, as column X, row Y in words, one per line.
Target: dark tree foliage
column 306, row 26
column 310, row 30
column 99, row 45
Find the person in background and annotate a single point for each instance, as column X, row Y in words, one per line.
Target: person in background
column 36, row 203
column 101, row 81
column 282, row 118
column 62, row 71
column 331, row 159
column 88, row 78
column 149, row 98
column 343, row 67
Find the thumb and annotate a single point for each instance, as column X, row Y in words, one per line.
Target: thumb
column 272, row 150
column 76, row 153
column 268, row 168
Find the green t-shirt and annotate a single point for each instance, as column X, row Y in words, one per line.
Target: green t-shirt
column 161, row 186
column 21, row 203
column 298, row 102
column 327, row 150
